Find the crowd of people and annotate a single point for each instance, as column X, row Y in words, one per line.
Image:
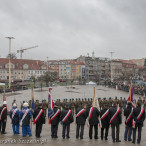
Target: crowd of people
column 138, row 89
column 109, row 114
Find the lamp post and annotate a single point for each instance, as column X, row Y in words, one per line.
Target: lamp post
column 111, row 66
column 10, row 60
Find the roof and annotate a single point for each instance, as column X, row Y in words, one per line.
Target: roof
column 32, row 64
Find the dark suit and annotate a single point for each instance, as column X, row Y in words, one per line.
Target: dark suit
column 80, row 121
column 93, row 122
column 105, row 124
column 115, row 124
column 139, row 123
column 66, row 124
column 39, row 122
column 54, row 124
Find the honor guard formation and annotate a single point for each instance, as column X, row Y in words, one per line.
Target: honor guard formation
column 81, row 111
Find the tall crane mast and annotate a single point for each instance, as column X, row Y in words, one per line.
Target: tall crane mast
column 21, row 51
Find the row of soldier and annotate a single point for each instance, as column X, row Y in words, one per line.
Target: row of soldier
column 108, row 116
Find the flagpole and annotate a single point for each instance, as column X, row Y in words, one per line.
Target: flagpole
column 31, row 107
column 93, row 102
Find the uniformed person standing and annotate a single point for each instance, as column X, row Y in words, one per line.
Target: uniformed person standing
column 81, row 116
column 39, row 120
column 128, row 122
column 3, row 117
column 104, row 121
column 115, row 121
column 54, row 120
column 66, row 119
column 25, row 116
column 14, row 115
column 139, row 117
column 93, row 114
column 44, row 107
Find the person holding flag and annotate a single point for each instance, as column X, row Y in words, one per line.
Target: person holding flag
column 54, row 121
column 25, row 116
column 104, row 121
column 128, row 122
column 39, row 120
column 3, row 117
column 115, row 120
column 81, row 116
column 138, row 119
column 66, row 119
column 14, row 115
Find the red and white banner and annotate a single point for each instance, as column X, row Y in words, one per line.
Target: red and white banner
column 80, row 112
column 54, row 116
column 66, row 117
column 2, row 112
column 129, row 117
column 103, row 116
column 118, row 110
column 25, row 114
column 138, row 117
column 14, row 112
column 38, row 116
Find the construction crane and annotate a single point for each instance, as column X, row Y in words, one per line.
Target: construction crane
column 22, row 50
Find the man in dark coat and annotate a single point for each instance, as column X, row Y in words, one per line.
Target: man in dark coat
column 39, row 119
column 66, row 119
column 3, row 117
column 138, row 117
column 128, row 122
column 81, row 116
column 93, row 114
column 54, row 121
column 14, row 115
column 104, row 121
column 115, row 121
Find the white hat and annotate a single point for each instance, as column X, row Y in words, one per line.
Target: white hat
column 25, row 104
column 14, row 105
column 4, row 103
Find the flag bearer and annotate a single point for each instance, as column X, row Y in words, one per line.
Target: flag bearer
column 14, row 115
column 39, row 119
column 25, row 116
column 54, row 121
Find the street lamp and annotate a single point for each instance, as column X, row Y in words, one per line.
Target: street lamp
column 10, row 60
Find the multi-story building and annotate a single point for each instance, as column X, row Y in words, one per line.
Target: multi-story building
column 68, row 69
column 95, row 68
column 21, row 68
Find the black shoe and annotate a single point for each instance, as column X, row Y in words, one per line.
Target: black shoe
column 118, row 140
column 81, row 137
column 133, row 142
column 63, row 137
column 138, row 142
column 129, row 139
column 4, row 133
column 96, row 137
column 101, row 138
column 106, row 138
column 77, row 137
column 38, row 136
column 114, row 141
column 55, row 136
column 68, row 137
column 90, row 137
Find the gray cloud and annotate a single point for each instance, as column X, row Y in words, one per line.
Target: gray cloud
column 68, row 28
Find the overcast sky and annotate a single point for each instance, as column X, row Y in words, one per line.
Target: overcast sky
column 65, row 29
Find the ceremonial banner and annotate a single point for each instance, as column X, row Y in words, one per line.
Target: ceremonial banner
column 50, row 103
